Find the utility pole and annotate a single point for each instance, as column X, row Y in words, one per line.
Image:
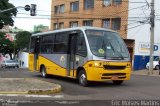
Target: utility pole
column 152, row 23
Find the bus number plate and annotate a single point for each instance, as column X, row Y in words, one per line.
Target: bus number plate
column 114, row 77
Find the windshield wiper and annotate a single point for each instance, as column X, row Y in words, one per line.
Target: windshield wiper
column 104, row 44
column 119, row 54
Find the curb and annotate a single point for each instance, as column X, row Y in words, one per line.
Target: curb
column 47, row 91
column 13, row 92
column 145, row 73
column 39, row 91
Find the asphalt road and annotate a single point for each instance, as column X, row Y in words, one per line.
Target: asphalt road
column 138, row 88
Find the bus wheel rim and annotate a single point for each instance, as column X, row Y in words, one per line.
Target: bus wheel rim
column 83, row 79
column 43, row 73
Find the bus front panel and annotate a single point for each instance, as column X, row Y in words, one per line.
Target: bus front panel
column 103, row 71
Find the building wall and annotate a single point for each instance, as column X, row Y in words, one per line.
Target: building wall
column 139, row 29
column 97, row 14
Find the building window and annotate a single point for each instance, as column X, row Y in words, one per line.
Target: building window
column 55, row 26
column 106, row 23
column 88, row 23
column 88, row 4
column 74, row 24
column 61, row 25
column 75, row 6
column 106, row 2
column 116, row 23
column 61, row 8
column 117, row 2
column 56, row 9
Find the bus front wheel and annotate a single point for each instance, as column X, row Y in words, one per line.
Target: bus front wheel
column 82, row 78
column 43, row 72
column 117, row 82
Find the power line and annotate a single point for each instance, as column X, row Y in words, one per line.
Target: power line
column 102, row 16
column 79, row 17
column 103, row 1
column 137, row 26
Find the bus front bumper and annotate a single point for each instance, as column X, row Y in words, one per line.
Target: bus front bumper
column 100, row 74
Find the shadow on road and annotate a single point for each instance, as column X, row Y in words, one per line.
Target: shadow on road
column 75, row 81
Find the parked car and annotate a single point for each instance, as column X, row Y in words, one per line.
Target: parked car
column 155, row 64
column 10, row 63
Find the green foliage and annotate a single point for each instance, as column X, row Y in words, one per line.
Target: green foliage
column 40, row 28
column 22, row 40
column 9, row 47
column 6, row 17
column 6, row 46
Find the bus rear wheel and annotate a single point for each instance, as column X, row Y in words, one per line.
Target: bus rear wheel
column 117, row 82
column 82, row 78
column 43, row 72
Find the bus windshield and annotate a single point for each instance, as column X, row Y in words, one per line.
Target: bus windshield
column 106, row 44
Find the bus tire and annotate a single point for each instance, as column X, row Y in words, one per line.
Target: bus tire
column 82, row 78
column 117, row 82
column 43, row 72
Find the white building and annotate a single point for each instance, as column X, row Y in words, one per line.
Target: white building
column 139, row 29
column 23, row 59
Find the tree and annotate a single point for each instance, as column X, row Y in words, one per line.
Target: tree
column 6, row 46
column 22, row 40
column 40, row 28
column 6, row 17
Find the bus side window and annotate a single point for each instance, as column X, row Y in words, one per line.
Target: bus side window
column 32, row 44
column 60, row 44
column 81, row 45
column 47, row 44
column 37, row 45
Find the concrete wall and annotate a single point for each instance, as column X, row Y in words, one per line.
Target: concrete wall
column 23, row 57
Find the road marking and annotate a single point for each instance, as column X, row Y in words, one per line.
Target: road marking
column 58, row 96
column 38, row 96
column 13, row 102
column 9, row 95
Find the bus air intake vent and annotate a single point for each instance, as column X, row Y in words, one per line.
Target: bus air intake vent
column 113, row 74
column 114, row 67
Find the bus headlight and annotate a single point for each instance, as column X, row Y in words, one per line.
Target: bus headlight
column 98, row 64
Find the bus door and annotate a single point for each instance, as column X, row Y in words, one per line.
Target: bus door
column 36, row 53
column 72, row 53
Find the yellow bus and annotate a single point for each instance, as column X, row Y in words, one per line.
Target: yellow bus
column 84, row 53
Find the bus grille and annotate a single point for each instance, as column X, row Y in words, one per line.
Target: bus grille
column 109, row 75
column 114, row 67
column 113, row 74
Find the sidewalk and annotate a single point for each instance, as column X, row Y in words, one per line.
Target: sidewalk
column 145, row 72
column 27, row 86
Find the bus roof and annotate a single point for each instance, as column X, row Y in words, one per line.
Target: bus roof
column 72, row 29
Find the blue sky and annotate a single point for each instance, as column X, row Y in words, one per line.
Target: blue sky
column 23, row 19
